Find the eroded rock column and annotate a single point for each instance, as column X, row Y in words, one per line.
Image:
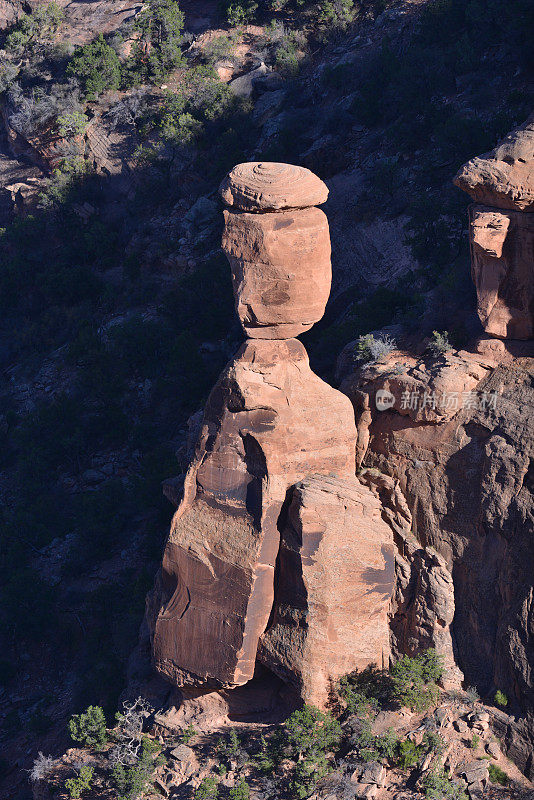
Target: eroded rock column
column 502, row 233
column 269, row 424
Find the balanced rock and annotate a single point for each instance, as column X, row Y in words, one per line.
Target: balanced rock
column 502, row 234
column 269, row 422
column 334, row 587
column 280, row 260
column 271, row 498
column 503, row 178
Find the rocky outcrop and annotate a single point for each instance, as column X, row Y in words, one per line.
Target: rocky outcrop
column 263, row 186
column 502, row 255
column 503, row 177
column 334, row 586
column 275, row 462
column 502, row 234
column 468, row 482
column 260, row 435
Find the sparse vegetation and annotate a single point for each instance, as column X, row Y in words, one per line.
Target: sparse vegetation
column 439, row 343
column 131, row 780
column 77, row 786
column 207, row 789
column 472, row 695
column 475, row 741
column 415, row 680
column 369, row 348
column 438, row 786
column 500, row 699
column 41, row 767
column 498, row 775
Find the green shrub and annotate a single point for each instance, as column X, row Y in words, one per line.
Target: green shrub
column 97, row 66
column 498, row 775
column 414, row 680
column 408, row 754
column 500, row 699
column 336, row 13
column 72, row 124
column 89, row 728
column 307, row 735
column 239, row 12
column 241, row 791
column 309, row 731
column 207, row 790
column 82, row 783
column 158, row 50
column 475, row 741
column 187, row 734
column 437, row 786
column 439, row 343
column 132, row 781
column 34, row 30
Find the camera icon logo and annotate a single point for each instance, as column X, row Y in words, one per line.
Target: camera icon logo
column 384, row 400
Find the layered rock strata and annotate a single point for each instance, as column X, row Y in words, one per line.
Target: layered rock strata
column 501, row 230
column 275, row 460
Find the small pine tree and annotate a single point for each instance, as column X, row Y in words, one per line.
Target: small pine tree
column 241, row 791
column 97, row 66
column 89, row 728
column 81, row 783
column 207, row 790
column 500, row 699
column 414, row 680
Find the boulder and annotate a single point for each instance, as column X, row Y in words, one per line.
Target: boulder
column 243, row 85
column 334, row 586
column 268, row 186
column 504, row 177
column 261, row 434
column 281, row 270
column 502, row 254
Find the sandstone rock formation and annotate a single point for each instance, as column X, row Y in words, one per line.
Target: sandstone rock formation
column 264, row 186
column 503, row 178
column 260, row 435
column 280, row 261
column 334, row 586
column 502, row 234
column 275, row 459
column 502, row 255
column 468, row 482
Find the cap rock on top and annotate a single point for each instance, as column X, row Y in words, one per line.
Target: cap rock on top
column 269, row 186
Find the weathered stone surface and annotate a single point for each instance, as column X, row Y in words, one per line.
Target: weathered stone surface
column 469, row 485
column 422, row 608
column 269, row 186
column 281, row 270
column 261, row 434
column 503, row 178
column 502, row 258
column 429, row 390
column 334, row 586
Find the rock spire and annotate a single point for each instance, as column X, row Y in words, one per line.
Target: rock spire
column 272, row 486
